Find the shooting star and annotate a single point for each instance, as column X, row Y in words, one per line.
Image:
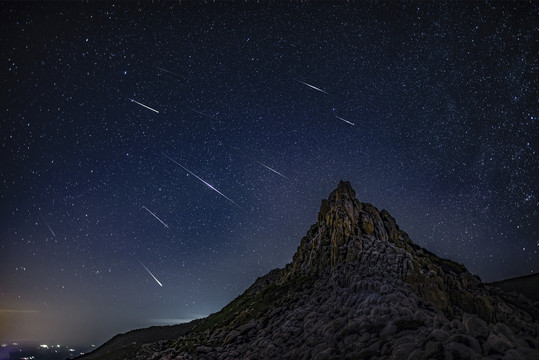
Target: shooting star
column 149, row 272
column 346, row 121
column 199, row 178
column 264, row 165
column 201, row 113
column 170, row 72
column 155, row 216
column 313, row 87
column 147, row 107
column 275, row 171
column 46, row 223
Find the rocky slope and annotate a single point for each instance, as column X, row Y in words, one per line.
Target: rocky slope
column 359, row 288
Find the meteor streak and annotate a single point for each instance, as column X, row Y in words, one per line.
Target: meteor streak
column 155, row 216
column 147, row 107
column 346, row 121
column 261, row 163
column 149, row 272
column 313, row 87
column 201, row 113
column 275, row 171
column 46, row 223
column 199, row 178
column 170, row 72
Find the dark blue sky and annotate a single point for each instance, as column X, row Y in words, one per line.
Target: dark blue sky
column 442, row 98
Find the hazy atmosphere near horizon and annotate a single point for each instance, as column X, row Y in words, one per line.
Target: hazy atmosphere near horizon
column 157, row 158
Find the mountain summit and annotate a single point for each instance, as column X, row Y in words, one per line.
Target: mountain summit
column 357, row 288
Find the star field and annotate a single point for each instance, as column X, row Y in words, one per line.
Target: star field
column 116, row 118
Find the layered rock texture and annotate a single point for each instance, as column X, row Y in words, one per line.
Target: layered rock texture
column 359, row 288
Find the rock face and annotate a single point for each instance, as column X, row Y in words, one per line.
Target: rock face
column 359, row 288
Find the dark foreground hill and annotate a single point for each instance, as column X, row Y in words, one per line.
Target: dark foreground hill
column 125, row 346
column 527, row 285
column 357, row 288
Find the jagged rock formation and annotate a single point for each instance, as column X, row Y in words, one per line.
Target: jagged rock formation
column 359, row 288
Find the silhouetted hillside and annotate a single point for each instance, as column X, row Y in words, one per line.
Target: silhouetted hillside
column 125, row 346
column 527, row 285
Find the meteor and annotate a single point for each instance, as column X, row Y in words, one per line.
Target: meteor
column 201, row 113
column 170, row 72
column 261, row 163
column 155, row 216
column 346, row 121
column 199, row 178
column 147, row 107
column 46, row 223
column 313, row 87
column 149, row 272
column 275, row 171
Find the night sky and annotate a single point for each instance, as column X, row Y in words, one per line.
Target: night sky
column 116, row 118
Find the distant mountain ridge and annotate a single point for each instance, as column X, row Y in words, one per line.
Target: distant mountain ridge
column 357, row 288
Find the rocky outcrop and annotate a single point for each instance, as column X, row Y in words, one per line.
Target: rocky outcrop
column 359, row 288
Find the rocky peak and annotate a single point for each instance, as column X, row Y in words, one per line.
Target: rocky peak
column 343, row 192
column 359, row 237
column 347, row 231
